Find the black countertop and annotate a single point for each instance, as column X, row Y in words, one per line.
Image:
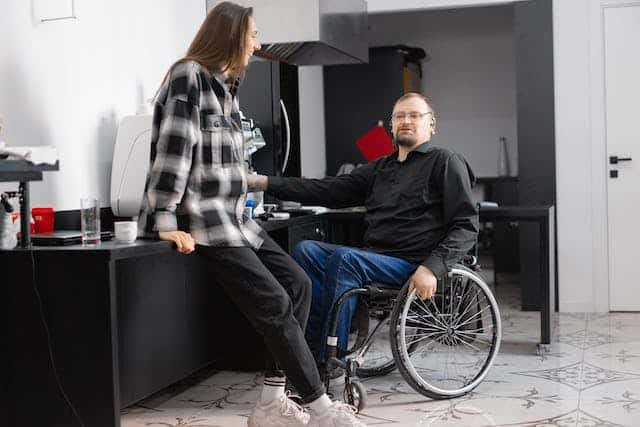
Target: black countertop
column 22, row 170
column 114, row 250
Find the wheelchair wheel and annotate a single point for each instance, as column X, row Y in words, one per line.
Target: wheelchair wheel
column 445, row 346
column 355, row 395
column 378, row 358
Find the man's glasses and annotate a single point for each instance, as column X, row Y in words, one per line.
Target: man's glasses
column 414, row 116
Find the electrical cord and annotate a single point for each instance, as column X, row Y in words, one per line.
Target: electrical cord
column 48, row 334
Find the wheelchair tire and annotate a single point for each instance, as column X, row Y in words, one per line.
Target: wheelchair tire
column 376, row 371
column 444, row 347
column 359, row 395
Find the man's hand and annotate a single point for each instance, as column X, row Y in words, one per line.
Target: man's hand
column 424, row 282
column 257, row 182
column 183, row 241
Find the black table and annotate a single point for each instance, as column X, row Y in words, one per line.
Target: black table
column 23, row 172
column 544, row 217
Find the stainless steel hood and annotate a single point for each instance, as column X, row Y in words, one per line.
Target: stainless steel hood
column 310, row 32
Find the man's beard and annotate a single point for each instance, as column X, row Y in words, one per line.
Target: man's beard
column 405, row 141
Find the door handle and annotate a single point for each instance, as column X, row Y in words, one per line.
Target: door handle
column 288, row 138
column 613, row 160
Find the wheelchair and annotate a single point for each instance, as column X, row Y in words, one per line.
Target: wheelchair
column 443, row 347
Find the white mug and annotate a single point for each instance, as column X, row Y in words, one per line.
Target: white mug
column 126, row 231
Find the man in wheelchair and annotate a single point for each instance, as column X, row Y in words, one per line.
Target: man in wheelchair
column 420, row 220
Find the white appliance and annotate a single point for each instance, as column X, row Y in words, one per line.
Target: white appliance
column 131, row 157
column 131, row 160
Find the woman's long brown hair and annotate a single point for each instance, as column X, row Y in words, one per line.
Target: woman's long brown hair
column 221, row 42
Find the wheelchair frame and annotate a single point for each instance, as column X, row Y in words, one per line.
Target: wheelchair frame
column 386, row 298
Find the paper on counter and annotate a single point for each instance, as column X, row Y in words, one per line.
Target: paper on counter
column 36, row 155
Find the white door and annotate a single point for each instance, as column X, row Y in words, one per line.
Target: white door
column 622, row 80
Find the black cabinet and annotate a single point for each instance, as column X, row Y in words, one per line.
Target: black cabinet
column 503, row 236
column 314, row 230
column 287, row 233
column 536, row 131
column 269, row 96
column 357, row 96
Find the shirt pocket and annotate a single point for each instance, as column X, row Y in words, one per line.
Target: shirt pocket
column 383, row 192
column 415, row 199
column 220, row 144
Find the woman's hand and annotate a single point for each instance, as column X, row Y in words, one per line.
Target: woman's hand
column 183, row 241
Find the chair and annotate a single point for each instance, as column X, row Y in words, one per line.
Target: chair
column 443, row 347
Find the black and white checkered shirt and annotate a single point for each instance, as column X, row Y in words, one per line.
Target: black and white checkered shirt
column 197, row 181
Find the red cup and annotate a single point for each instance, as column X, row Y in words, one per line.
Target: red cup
column 43, row 219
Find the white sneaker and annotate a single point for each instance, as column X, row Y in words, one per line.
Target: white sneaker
column 339, row 415
column 280, row 412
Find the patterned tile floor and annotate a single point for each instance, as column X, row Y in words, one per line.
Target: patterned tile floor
column 589, row 377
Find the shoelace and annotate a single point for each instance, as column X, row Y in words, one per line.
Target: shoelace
column 289, row 407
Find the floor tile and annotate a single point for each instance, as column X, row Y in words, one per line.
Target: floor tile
column 590, row 376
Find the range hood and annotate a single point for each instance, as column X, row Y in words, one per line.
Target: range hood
column 310, row 32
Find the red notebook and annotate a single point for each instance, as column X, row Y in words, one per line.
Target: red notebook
column 375, row 144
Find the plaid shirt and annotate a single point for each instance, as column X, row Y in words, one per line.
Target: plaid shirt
column 197, row 181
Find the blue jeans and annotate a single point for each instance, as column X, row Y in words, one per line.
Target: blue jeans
column 334, row 269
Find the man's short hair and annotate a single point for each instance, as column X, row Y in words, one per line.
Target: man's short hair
column 410, row 95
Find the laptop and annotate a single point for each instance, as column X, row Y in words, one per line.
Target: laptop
column 64, row 238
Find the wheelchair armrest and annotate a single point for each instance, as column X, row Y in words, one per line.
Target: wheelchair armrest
column 381, row 290
column 469, row 262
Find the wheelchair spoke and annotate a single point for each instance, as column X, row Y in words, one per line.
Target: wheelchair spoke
column 473, row 318
column 422, row 322
column 424, row 334
column 460, row 298
column 477, row 331
column 472, row 346
column 475, row 338
column 474, row 334
column 424, row 308
column 471, row 303
column 418, row 340
column 440, row 316
column 452, row 295
column 435, row 306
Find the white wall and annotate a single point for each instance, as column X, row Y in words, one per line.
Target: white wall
column 68, row 83
column 470, row 77
column 313, row 156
